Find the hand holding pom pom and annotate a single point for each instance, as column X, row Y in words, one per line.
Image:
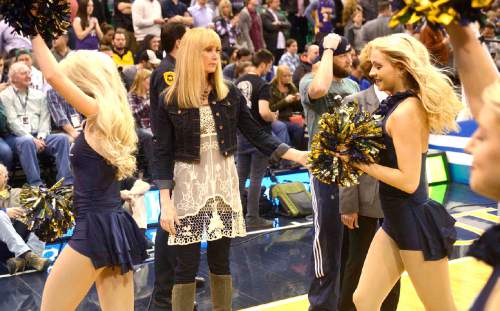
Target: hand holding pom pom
column 48, row 211
column 49, row 18
column 347, row 138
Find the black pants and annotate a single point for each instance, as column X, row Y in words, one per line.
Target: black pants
column 146, row 143
column 299, row 30
column 188, row 260
column 327, row 246
column 359, row 241
column 165, row 262
column 277, row 55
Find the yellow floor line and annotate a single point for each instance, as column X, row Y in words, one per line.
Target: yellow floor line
column 471, row 213
column 487, row 216
column 467, row 278
column 469, row 228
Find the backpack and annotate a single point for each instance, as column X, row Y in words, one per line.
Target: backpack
column 294, row 199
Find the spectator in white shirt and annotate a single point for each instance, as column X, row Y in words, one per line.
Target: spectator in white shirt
column 146, row 19
column 202, row 14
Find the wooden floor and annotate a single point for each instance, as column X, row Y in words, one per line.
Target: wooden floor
column 467, row 276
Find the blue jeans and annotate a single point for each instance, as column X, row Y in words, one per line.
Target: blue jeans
column 57, row 146
column 289, row 133
column 252, row 165
column 281, row 131
column 6, row 155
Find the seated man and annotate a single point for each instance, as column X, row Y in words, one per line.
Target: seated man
column 28, row 120
column 147, row 60
column 121, row 55
column 64, row 116
column 37, row 80
column 20, row 254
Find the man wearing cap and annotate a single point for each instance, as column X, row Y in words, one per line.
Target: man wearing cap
column 147, row 60
column 327, row 80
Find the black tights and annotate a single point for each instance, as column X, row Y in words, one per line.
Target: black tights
column 188, row 260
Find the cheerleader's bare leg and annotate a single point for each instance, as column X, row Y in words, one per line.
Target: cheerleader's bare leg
column 382, row 269
column 72, row 277
column 431, row 280
column 69, row 281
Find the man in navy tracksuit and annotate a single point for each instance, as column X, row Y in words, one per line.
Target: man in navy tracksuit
column 329, row 79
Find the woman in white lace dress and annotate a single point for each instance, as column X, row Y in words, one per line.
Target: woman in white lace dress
column 194, row 148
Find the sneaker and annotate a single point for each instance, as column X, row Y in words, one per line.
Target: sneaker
column 36, row 262
column 15, row 265
column 258, row 223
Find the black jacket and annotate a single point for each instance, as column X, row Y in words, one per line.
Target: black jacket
column 165, row 73
column 291, row 6
column 271, row 31
column 177, row 134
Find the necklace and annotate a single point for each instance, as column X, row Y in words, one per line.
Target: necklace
column 206, row 92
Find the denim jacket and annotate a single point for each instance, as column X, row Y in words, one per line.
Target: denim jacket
column 177, row 136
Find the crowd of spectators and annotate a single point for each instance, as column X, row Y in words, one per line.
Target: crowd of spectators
column 36, row 123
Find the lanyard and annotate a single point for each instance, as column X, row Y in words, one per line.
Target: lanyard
column 25, row 99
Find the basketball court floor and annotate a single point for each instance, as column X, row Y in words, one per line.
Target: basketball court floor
column 271, row 268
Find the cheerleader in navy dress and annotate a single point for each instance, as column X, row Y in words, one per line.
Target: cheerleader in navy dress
column 417, row 234
column 412, row 220
column 104, row 231
column 107, row 242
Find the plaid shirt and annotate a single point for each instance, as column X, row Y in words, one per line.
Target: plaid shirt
column 59, row 109
column 140, row 109
column 292, row 61
column 223, row 27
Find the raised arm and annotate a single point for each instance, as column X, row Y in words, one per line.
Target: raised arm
column 124, row 8
column 324, row 76
column 475, row 66
column 83, row 103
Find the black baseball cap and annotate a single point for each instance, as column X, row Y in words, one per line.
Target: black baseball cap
column 343, row 47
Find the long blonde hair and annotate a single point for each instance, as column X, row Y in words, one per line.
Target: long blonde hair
column 279, row 73
column 221, row 6
column 190, row 80
column 114, row 126
column 434, row 89
column 138, row 84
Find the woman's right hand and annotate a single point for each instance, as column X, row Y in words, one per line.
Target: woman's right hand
column 169, row 218
column 290, row 98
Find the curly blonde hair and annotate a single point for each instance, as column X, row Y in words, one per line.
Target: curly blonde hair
column 114, row 126
column 433, row 87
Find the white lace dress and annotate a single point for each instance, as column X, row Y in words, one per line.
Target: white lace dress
column 206, row 194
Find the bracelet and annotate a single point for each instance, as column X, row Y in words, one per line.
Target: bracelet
column 333, row 50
